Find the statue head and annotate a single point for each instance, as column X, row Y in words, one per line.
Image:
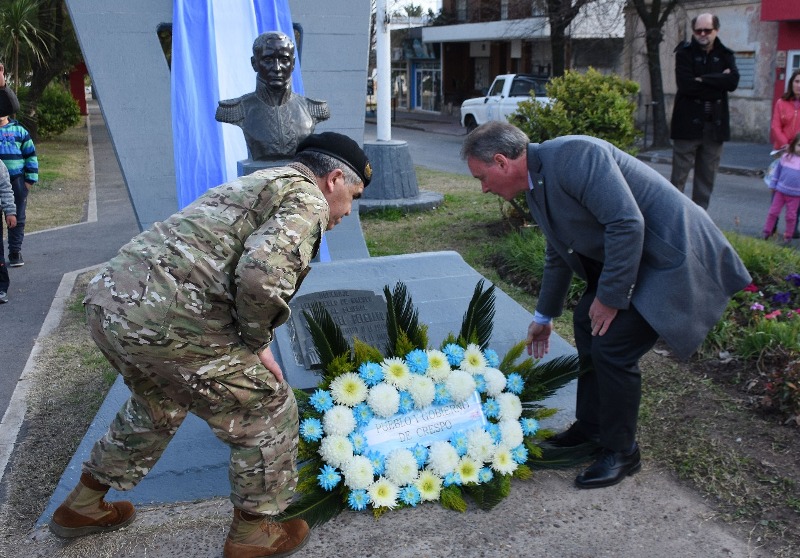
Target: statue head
column 273, row 59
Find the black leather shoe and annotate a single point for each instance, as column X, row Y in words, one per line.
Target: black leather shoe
column 570, row 438
column 610, row 468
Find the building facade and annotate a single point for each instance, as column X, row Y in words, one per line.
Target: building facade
column 479, row 39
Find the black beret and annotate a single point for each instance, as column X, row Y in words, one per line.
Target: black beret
column 341, row 147
column 8, row 103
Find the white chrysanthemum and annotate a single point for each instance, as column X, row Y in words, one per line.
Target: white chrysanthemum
column 383, row 493
column 396, row 372
column 384, row 400
column 467, row 469
column 358, row 473
column 480, row 445
column 438, row 366
column 460, row 385
column 336, row 450
column 495, row 381
column 348, row 389
column 401, row 467
column 443, row 458
column 422, row 391
column 511, row 433
column 510, row 406
column 339, row 420
column 429, row 485
column 503, row 461
column 474, row 362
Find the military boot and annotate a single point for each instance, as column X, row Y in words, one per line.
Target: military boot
column 258, row 536
column 85, row 511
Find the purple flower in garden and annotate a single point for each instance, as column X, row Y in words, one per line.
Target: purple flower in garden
column 782, row 298
column 757, row 306
column 794, row 279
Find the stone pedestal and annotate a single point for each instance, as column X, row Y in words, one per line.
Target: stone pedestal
column 249, row 166
column 394, row 181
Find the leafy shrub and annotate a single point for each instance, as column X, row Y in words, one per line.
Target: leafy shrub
column 591, row 104
column 783, row 391
column 57, row 111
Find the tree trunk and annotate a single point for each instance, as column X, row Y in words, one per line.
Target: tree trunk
column 557, row 49
column 653, row 40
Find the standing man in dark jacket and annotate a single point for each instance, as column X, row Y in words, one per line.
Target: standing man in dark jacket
column 705, row 70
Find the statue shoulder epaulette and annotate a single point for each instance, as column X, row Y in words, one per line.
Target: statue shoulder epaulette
column 230, row 111
column 319, row 109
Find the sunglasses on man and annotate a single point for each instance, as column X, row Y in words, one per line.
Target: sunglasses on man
column 703, row 31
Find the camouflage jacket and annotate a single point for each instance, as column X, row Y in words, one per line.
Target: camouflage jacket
column 226, row 265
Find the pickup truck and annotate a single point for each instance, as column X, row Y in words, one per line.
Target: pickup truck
column 506, row 92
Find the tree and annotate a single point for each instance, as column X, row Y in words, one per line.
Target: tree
column 57, row 39
column 22, row 36
column 654, row 15
column 560, row 14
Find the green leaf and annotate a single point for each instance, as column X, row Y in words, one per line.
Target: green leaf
column 315, row 506
column 507, row 364
column 546, row 378
column 479, row 318
column 451, row 499
column 329, row 342
column 489, row 494
column 560, row 458
column 402, row 318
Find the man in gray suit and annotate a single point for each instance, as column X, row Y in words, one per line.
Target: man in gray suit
column 653, row 261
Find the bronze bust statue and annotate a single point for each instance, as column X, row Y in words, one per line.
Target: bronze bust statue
column 273, row 118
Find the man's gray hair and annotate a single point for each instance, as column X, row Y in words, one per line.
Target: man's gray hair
column 321, row 164
column 489, row 139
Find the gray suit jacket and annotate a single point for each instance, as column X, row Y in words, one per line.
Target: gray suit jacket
column 660, row 251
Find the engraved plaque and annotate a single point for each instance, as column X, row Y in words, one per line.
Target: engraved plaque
column 359, row 314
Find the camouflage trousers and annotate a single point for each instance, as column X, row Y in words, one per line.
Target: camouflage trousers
column 227, row 386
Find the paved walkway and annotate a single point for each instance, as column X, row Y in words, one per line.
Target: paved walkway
column 650, row 514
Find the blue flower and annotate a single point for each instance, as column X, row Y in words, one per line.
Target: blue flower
column 363, row 414
column 417, row 361
column 491, row 408
column 520, row 453
column 311, row 430
column 377, row 460
column 485, row 475
column 459, row 442
column 409, row 495
column 494, row 431
column 530, row 426
column 420, row 454
column 359, row 442
column 451, row 479
column 454, row 354
column 406, row 402
column 371, row 373
column 358, row 499
column 480, row 383
column 328, row 477
column 442, row 396
column 515, row 383
column 321, row 400
column 782, row 298
column 492, row 360
column 794, row 279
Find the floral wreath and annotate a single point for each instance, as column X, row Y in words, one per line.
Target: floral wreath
column 363, row 391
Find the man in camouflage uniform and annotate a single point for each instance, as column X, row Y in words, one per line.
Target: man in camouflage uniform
column 186, row 313
column 274, row 119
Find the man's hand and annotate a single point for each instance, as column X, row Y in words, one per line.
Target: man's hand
column 271, row 364
column 538, row 340
column 11, row 221
column 601, row 317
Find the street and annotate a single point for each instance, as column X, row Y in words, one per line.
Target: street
column 739, row 203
